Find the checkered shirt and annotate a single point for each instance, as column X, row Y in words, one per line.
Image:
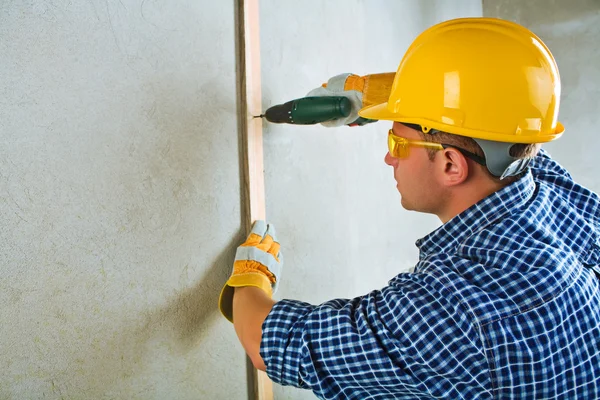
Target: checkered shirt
column 503, row 303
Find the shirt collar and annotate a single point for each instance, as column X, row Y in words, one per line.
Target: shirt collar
column 494, row 207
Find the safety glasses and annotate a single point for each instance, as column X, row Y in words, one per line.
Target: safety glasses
column 399, row 147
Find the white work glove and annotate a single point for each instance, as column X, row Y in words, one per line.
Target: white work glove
column 335, row 87
column 258, row 263
column 362, row 91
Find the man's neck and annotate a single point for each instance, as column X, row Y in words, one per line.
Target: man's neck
column 465, row 197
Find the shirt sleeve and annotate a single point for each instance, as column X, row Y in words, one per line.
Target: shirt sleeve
column 406, row 340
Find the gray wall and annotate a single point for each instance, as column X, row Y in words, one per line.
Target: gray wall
column 120, row 185
column 571, row 29
column 120, row 199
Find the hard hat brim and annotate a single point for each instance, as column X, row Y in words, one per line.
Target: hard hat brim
column 377, row 112
column 381, row 112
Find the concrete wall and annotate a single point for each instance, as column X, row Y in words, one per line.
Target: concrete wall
column 571, row 30
column 120, row 200
column 120, row 185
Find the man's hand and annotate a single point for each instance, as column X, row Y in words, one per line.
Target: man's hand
column 362, row 91
column 258, row 263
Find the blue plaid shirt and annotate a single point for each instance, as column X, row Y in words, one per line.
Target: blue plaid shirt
column 503, row 303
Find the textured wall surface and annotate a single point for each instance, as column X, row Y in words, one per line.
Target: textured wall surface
column 120, row 200
column 571, row 29
column 331, row 196
column 120, row 185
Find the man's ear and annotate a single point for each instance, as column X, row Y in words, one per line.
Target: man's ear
column 455, row 167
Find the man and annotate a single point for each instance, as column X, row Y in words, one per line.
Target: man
column 504, row 301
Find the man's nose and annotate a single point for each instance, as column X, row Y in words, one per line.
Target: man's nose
column 388, row 159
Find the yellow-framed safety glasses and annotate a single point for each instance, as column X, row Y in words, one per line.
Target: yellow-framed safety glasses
column 399, row 147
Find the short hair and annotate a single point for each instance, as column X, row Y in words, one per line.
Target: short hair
column 518, row 150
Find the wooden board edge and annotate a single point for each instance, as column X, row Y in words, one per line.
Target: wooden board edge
column 248, row 46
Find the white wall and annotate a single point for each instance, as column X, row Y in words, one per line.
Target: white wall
column 120, row 199
column 120, row 185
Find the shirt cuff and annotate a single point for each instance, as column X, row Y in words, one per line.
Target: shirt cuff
column 281, row 343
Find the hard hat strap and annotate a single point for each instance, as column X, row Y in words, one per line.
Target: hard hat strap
column 499, row 161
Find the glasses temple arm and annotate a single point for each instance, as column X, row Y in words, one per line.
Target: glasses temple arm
column 478, row 159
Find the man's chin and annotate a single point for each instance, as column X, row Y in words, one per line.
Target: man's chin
column 405, row 204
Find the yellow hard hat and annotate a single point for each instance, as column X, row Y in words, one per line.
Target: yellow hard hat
column 483, row 78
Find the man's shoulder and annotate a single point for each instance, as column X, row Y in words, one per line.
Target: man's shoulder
column 494, row 275
column 544, row 165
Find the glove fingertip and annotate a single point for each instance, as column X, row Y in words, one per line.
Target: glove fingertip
column 272, row 232
column 259, row 227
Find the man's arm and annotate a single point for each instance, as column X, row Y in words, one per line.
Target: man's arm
column 245, row 298
column 250, row 308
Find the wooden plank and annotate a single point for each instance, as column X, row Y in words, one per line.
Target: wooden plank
column 251, row 106
column 248, row 45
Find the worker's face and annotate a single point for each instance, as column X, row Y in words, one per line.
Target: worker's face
column 414, row 175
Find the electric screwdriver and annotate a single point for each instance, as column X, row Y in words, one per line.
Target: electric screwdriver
column 309, row 110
